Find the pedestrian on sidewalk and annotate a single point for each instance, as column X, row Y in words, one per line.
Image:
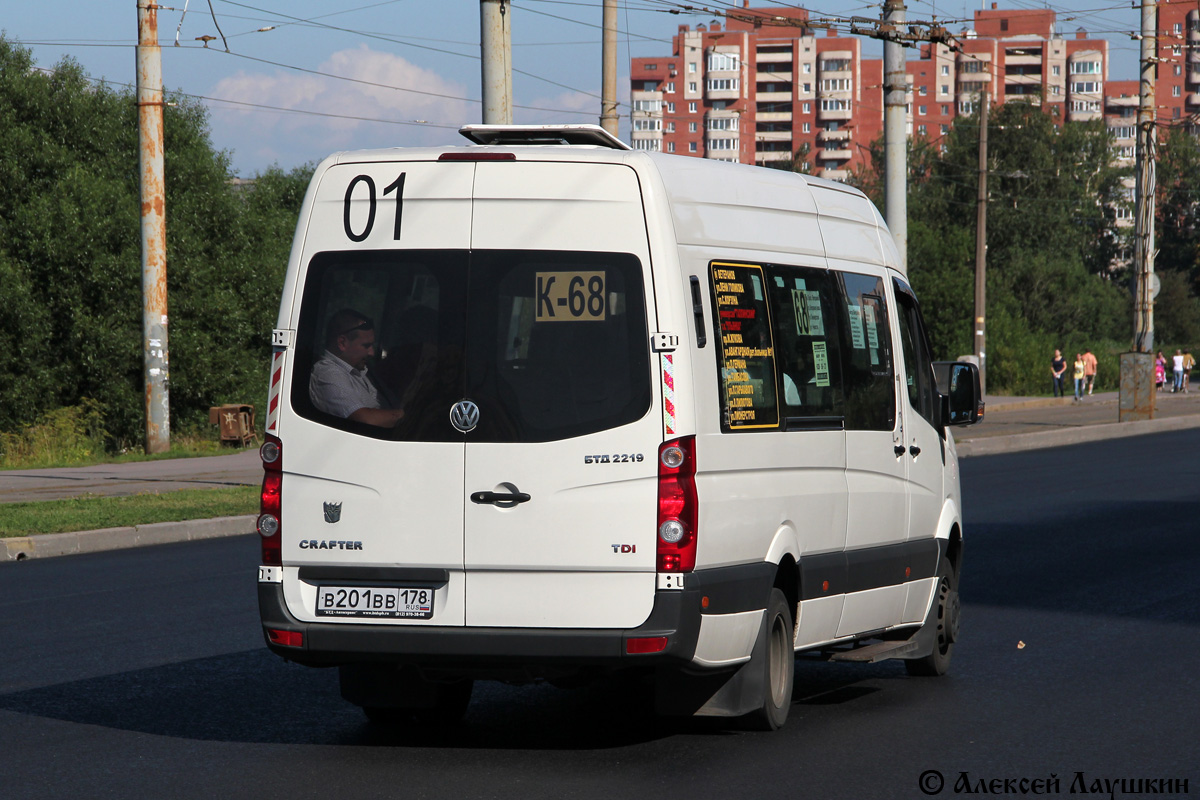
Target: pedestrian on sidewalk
column 1089, row 369
column 1188, row 363
column 1177, row 363
column 1078, row 377
column 1160, row 371
column 1058, row 368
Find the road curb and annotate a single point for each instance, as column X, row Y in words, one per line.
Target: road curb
column 48, row 545
column 1018, row 442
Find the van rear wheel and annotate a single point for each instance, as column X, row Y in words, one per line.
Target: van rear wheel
column 778, row 667
column 943, row 619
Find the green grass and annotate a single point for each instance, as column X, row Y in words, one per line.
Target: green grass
column 90, row 512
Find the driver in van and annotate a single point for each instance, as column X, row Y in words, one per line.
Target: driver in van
column 339, row 384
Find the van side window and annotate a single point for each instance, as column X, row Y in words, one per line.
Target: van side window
column 746, row 348
column 804, row 303
column 868, row 378
column 918, row 366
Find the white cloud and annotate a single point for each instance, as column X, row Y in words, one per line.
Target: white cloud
column 260, row 137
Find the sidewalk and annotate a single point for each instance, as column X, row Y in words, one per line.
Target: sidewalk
column 1013, row 424
column 1010, row 424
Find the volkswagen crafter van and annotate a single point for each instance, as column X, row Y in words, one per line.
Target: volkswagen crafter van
column 624, row 410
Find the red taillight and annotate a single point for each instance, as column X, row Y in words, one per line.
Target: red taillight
column 645, row 644
column 676, row 532
column 270, row 518
column 286, row 638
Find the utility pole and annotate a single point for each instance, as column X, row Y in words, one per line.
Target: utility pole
column 608, row 84
column 981, row 246
column 1137, row 368
column 895, row 135
column 495, row 40
column 154, row 231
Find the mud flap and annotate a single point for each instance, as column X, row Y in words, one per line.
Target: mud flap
column 723, row 693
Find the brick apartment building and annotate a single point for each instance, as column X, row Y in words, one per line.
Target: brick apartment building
column 765, row 86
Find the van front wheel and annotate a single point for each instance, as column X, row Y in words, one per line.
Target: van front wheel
column 778, row 667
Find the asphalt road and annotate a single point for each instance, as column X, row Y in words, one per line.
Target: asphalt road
column 141, row 673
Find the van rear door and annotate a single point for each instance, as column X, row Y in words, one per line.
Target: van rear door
column 559, row 520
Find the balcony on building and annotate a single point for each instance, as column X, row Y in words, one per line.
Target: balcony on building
column 834, row 154
column 774, row 55
column 1023, row 56
column 773, row 116
column 831, row 137
column 647, row 120
column 1193, row 99
column 833, row 174
column 836, row 64
column 835, row 109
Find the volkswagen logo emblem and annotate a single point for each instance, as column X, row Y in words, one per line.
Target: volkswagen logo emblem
column 464, row 416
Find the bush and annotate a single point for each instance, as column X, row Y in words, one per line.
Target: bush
column 63, row 436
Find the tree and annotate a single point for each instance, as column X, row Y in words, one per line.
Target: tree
column 70, row 254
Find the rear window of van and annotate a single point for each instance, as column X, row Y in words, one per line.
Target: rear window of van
column 547, row 344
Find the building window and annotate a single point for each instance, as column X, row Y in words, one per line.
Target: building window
column 691, row 86
column 1054, row 90
column 722, row 124
column 921, row 129
column 1056, row 70
column 691, row 67
column 691, row 127
column 651, row 67
column 1126, row 151
column 943, row 89
column 648, row 144
column 807, row 128
column 670, row 108
column 1086, row 87
column 945, row 129
column 1124, row 132
column 835, row 65
column 671, row 87
column 651, row 106
column 835, row 105
column 692, row 107
column 924, row 90
column 721, row 84
column 945, row 110
column 1176, row 49
column 670, row 147
column 807, row 69
column 1178, row 27
column 966, row 106
column 723, row 144
column 837, row 85
column 670, row 127
column 1178, row 69
column 1175, row 90
column 808, row 88
column 1085, row 67
column 920, row 111
column 1085, row 105
column 945, row 69
column 972, row 65
column 647, row 124
column 807, row 108
column 722, row 62
column 691, row 147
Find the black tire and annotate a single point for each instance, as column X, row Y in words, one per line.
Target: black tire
column 944, row 619
column 779, row 666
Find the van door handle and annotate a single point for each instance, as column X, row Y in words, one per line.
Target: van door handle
column 898, row 450
column 916, row 451
column 499, row 497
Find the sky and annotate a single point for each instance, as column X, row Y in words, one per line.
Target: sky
column 289, row 81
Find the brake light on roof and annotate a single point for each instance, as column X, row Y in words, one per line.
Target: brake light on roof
column 677, row 505
column 270, row 521
column 467, row 155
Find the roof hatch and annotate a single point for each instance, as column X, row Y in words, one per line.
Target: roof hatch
column 570, row 135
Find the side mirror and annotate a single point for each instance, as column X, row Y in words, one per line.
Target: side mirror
column 958, row 387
